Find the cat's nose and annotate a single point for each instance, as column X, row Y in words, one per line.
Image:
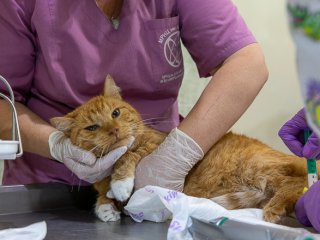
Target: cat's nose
column 113, row 131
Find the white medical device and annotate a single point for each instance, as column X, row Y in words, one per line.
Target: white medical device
column 11, row 149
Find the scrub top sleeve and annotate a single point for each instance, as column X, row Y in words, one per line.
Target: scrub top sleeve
column 211, row 30
column 17, row 47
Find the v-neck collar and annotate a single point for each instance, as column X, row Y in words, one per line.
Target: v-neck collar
column 111, row 9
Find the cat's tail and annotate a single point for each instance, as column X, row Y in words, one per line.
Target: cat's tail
column 250, row 197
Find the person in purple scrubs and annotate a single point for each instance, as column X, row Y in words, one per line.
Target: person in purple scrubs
column 57, row 53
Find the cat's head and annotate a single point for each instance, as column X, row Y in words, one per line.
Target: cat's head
column 101, row 124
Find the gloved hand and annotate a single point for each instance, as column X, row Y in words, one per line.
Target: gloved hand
column 83, row 163
column 169, row 164
column 307, row 208
column 292, row 134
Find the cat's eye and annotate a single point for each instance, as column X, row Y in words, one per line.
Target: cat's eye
column 115, row 113
column 92, row 127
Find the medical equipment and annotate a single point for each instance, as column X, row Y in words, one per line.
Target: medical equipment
column 11, row 149
column 311, row 164
column 232, row 229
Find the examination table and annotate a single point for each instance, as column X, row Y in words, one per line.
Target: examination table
column 69, row 214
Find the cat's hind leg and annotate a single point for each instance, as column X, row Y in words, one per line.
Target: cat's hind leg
column 251, row 198
column 245, row 197
column 283, row 202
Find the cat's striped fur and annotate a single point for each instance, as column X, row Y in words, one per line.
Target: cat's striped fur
column 237, row 172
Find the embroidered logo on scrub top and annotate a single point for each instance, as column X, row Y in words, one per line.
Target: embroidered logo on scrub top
column 170, row 41
column 172, row 50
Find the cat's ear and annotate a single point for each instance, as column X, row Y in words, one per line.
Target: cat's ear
column 63, row 124
column 110, row 88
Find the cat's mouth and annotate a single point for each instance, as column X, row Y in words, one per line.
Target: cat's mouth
column 128, row 141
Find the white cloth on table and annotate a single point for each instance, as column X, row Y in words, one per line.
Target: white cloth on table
column 35, row 231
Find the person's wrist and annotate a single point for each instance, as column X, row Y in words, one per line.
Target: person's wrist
column 55, row 139
column 189, row 141
column 169, row 164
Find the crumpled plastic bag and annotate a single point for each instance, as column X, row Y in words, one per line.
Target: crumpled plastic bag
column 158, row 204
column 35, row 231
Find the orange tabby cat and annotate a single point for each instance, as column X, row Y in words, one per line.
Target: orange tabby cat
column 237, row 172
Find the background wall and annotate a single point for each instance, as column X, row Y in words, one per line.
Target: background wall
column 280, row 98
column 1, row 170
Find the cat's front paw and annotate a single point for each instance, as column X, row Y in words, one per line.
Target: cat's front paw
column 107, row 213
column 122, row 189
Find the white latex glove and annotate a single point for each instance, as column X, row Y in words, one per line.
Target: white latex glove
column 83, row 163
column 170, row 163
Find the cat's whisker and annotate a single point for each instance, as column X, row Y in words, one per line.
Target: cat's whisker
column 79, row 185
column 73, row 168
column 102, row 151
column 149, row 123
column 92, row 149
column 104, row 148
column 143, row 131
column 144, row 122
column 158, row 122
column 152, row 120
column 86, row 139
column 147, row 114
column 155, row 118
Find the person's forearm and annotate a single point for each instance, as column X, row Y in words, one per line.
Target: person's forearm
column 34, row 131
column 231, row 90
